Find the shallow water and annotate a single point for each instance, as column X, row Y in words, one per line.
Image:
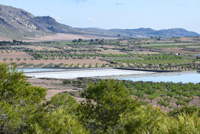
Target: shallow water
column 38, row 69
column 184, row 77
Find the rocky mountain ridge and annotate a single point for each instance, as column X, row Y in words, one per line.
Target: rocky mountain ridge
column 18, row 23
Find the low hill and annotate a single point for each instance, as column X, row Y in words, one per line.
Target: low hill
column 145, row 32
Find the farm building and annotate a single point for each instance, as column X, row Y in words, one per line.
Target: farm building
column 198, row 56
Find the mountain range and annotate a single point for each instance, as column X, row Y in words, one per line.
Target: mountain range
column 18, row 23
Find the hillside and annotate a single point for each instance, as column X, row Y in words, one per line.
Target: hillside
column 17, row 23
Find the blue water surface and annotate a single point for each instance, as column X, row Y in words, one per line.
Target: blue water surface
column 38, row 70
column 184, row 77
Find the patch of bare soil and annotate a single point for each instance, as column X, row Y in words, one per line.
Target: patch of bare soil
column 106, row 46
column 70, row 61
column 144, row 52
column 36, row 47
column 5, row 39
column 61, row 37
column 15, row 55
column 194, row 102
column 54, row 87
column 186, row 39
column 111, row 52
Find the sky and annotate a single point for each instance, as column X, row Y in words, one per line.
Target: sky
column 124, row 14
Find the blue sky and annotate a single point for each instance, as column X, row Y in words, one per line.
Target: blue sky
column 156, row 14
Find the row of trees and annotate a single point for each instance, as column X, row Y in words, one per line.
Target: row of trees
column 167, row 67
column 161, row 62
column 49, row 54
column 8, row 43
column 78, row 65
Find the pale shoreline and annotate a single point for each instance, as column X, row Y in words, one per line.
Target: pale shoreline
column 152, row 74
column 73, row 74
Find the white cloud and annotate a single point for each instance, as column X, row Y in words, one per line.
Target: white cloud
column 91, row 19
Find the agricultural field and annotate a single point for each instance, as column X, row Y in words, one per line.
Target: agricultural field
column 155, row 53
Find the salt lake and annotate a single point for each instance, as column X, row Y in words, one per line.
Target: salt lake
column 184, row 77
column 76, row 73
column 176, row 77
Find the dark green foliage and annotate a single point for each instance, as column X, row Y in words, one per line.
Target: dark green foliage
column 59, row 65
column 49, row 65
column 23, row 108
column 66, row 81
column 187, row 110
column 59, row 115
column 18, row 100
column 104, row 104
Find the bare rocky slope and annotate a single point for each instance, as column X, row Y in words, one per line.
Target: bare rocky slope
column 18, row 23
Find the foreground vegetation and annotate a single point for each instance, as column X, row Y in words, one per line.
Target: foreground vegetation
column 108, row 108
